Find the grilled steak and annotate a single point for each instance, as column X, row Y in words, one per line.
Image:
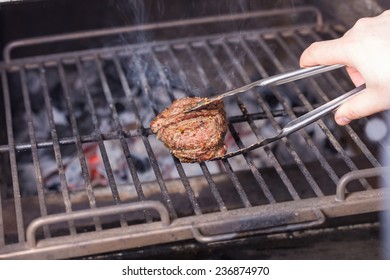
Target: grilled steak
column 192, row 136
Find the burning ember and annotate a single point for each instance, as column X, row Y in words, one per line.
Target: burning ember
column 149, row 87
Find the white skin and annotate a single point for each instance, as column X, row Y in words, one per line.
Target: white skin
column 365, row 50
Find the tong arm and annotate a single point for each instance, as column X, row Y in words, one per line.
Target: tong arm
column 299, row 122
column 279, row 79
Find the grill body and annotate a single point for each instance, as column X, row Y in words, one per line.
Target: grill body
column 81, row 173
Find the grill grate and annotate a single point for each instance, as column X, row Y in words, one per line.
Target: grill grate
column 60, row 107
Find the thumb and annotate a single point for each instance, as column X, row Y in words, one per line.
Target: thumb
column 364, row 104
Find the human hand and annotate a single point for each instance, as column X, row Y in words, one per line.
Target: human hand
column 365, row 50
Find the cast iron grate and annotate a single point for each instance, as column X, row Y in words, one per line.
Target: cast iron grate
column 78, row 138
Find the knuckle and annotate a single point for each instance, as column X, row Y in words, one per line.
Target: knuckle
column 351, row 39
column 360, row 27
column 312, row 49
column 362, row 22
column 308, row 56
column 387, row 12
column 353, row 114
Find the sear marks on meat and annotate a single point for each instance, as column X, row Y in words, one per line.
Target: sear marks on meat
column 192, row 136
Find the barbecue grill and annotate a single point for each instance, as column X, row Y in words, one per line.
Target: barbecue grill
column 82, row 174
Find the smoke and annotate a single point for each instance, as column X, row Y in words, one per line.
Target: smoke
column 155, row 79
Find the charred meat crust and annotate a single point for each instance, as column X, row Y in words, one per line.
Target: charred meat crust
column 192, row 136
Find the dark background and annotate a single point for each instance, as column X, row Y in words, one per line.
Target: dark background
column 31, row 18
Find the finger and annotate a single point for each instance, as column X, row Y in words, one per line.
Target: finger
column 325, row 53
column 362, row 105
column 355, row 76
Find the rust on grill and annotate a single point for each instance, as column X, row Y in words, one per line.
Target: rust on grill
column 81, row 166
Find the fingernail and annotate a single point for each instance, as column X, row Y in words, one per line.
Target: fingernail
column 343, row 121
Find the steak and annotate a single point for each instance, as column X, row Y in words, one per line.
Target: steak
column 192, row 136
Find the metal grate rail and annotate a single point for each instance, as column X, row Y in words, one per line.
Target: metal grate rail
column 60, row 107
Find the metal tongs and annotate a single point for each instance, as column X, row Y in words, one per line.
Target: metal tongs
column 297, row 123
column 276, row 80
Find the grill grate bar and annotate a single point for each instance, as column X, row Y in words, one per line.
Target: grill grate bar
column 253, row 167
column 152, row 74
column 2, row 236
column 182, row 76
column 179, row 167
column 304, row 100
column 213, row 187
column 114, row 114
column 259, row 14
column 57, row 149
column 97, row 134
column 76, row 135
column 349, row 129
column 236, row 183
column 12, row 158
column 268, row 151
column 324, row 163
column 34, row 150
column 153, row 161
column 327, row 131
column 203, row 166
column 299, row 93
column 113, row 136
column 226, row 163
column 235, row 135
column 339, row 88
column 199, row 68
column 292, row 115
column 290, row 112
column 3, row 187
column 244, row 75
column 130, row 162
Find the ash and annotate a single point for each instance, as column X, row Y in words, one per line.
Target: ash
column 94, row 109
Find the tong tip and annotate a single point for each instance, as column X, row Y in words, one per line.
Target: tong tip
column 198, row 105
